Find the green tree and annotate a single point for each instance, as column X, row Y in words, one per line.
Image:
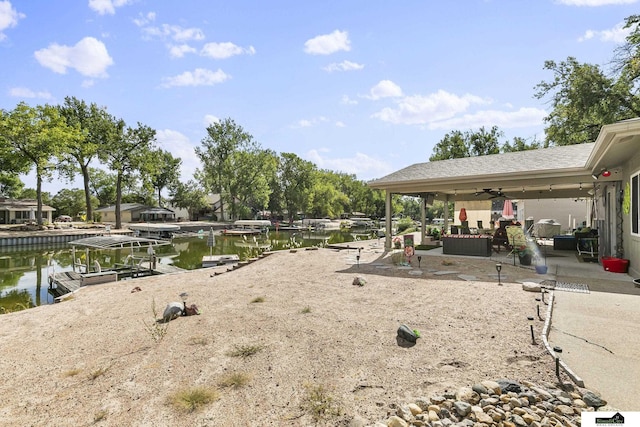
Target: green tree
column 103, row 186
column 94, row 125
column 129, row 152
column 190, row 196
column 583, row 99
column 165, row 171
column 226, row 153
column 296, row 180
column 520, row 144
column 37, row 134
column 456, row 144
column 70, row 202
column 10, row 185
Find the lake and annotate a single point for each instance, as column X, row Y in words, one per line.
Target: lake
column 24, row 271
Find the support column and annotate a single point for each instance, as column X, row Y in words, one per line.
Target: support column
column 387, row 213
column 423, row 219
column 446, row 214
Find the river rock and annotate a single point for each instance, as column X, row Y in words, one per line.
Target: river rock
column 592, row 399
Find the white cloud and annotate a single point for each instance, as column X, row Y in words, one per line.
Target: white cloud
column 362, row 165
column 418, row 109
column 595, row 3
column 9, row 17
column 89, row 57
column 199, row 77
column 384, row 89
column 305, row 123
column 524, row 117
column 210, row 119
column 23, row 92
column 348, row 101
column 145, row 19
column 178, row 51
column 340, row 124
column 225, row 50
column 617, row 34
column 180, row 147
column 107, row 6
column 174, row 32
column 327, row 44
column 343, row 66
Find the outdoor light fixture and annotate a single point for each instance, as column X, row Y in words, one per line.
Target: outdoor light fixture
column 557, row 350
column 184, row 297
column 533, row 339
column 580, row 186
column 604, row 172
column 538, row 308
column 419, row 259
column 358, row 257
column 499, row 269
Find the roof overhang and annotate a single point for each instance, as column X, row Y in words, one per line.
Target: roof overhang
column 615, row 144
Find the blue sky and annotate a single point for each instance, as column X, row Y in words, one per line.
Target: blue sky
column 364, row 86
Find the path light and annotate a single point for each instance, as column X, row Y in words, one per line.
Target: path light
column 543, row 291
column 499, row 269
column 533, row 339
column 358, row 257
column 538, row 308
column 184, row 297
column 419, row 259
column 557, row 350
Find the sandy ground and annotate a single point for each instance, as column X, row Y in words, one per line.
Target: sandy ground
column 92, row 360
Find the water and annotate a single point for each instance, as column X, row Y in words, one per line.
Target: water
column 24, row 272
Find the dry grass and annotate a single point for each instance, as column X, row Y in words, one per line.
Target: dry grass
column 245, row 351
column 192, row 399
column 319, row 403
column 235, row 380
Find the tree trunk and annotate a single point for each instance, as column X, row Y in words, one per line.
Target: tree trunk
column 39, row 199
column 87, row 192
column 118, row 201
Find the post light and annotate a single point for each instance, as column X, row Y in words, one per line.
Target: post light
column 419, row 260
column 542, row 293
column 499, row 269
column 533, row 339
column 184, row 297
column 358, row 257
column 557, row 350
column 538, row 309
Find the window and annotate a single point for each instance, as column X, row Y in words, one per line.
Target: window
column 635, row 205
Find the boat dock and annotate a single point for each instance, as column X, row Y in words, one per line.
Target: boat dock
column 66, row 282
column 217, row 260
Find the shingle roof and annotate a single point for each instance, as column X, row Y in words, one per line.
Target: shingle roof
column 545, row 159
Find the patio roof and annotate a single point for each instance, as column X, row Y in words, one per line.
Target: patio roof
column 116, row 241
column 556, row 172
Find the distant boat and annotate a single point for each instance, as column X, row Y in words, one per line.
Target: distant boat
column 157, row 231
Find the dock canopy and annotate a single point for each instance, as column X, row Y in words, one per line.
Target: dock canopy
column 116, row 241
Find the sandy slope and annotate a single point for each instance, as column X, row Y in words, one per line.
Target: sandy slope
column 313, row 328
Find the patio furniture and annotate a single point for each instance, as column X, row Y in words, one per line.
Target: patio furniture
column 500, row 240
column 466, row 244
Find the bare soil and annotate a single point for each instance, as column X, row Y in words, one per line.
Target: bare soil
column 97, row 358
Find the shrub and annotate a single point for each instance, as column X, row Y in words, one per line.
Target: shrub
column 191, row 399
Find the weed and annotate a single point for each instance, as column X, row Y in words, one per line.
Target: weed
column 306, row 310
column 156, row 330
column 99, row 416
column 198, row 340
column 258, row 299
column 234, row 380
column 319, row 403
column 189, row 400
column 71, row 372
column 245, row 351
column 98, row 373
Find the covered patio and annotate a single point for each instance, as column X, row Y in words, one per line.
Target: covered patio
column 592, row 170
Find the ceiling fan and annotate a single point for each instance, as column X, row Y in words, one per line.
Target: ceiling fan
column 493, row 193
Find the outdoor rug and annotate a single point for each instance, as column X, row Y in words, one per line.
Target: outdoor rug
column 566, row 287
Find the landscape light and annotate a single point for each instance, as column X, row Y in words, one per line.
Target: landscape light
column 499, row 269
column 533, row 339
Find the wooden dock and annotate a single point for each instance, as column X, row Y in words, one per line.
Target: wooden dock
column 67, row 282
